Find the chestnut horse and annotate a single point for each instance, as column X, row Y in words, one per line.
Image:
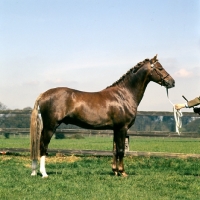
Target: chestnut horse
column 113, row 108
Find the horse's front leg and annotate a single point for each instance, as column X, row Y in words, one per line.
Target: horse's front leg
column 121, row 167
column 120, row 150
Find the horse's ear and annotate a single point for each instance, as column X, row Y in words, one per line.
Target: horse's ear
column 154, row 59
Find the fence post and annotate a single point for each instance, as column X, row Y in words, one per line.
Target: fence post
column 127, row 143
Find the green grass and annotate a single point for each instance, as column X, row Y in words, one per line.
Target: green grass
column 173, row 145
column 90, row 178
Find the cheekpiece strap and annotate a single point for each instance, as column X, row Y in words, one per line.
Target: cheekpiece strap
column 153, row 64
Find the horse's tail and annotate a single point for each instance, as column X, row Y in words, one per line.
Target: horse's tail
column 35, row 131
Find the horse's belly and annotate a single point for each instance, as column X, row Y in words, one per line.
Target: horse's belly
column 90, row 120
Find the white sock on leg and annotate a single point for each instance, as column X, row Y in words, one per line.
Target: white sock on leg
column 42, row 167
column 34, row 168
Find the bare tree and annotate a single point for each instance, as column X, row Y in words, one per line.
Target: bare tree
column 2, row 106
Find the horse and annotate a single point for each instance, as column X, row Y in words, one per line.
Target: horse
column 113, row 108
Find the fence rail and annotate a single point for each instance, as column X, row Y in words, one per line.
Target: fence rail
column 141, row 113
column 87, row 132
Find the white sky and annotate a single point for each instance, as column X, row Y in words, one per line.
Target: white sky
column 89, row 44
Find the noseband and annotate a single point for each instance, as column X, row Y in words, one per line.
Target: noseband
column 158, row 73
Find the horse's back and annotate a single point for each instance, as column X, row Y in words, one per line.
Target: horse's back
column 59, row 103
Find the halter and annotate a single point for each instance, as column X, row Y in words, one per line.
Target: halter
column 177, row 113
column 158, row 73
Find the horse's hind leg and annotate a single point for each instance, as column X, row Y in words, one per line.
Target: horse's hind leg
column 34, row 168
column 44, row 142
column 42, row 167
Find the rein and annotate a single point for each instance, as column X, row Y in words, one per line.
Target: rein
column 177, row 116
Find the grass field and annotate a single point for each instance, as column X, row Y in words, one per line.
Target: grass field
column 90, row 178
column 173, row 145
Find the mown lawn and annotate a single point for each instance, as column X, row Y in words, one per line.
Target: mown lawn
column 91, row 178
column 88, row 178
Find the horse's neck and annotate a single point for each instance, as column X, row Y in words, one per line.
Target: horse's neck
column 137, row 85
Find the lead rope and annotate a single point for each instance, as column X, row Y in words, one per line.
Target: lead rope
column 177, row 116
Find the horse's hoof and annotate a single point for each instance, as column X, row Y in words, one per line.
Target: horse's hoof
column 116, row 173
column 34, row 173
column 124, row 174
column 44, row 174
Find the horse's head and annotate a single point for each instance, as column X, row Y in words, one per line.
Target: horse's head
column 159, row 75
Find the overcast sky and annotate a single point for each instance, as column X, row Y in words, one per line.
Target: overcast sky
column 89, row 44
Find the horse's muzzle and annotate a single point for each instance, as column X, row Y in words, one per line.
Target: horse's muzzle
column 169, row 83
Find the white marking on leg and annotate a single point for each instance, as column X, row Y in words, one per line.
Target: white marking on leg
column 34, row 168
column 42, row 167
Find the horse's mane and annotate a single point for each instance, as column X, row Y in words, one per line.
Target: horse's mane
column 132, row 70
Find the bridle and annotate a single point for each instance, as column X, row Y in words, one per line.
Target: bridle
column 159, row 74
column 177, row 113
